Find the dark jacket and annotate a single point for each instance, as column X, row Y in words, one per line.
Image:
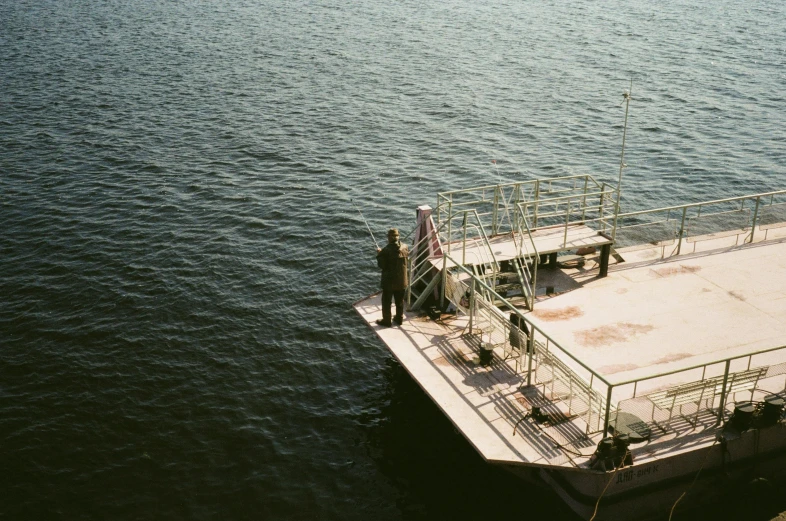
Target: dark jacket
column 392, row 259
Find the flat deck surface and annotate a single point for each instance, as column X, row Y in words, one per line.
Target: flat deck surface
column 652, row 317
column 489, row 405
column 547, row 240
column 484, row 403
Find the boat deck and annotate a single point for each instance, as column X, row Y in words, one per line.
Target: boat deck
column 649, row 316
column 652, row 317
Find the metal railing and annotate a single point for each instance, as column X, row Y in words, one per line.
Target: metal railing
column 544, row 199
column 523, row 245
column 517, row 209
column 587, row 393
column 762, row 371
column 543, row 360
column 594, row 209
column 672, row 228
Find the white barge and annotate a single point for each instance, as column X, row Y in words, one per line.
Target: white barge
column 630, row 361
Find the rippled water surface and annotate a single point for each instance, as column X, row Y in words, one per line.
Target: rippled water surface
column 179, row 250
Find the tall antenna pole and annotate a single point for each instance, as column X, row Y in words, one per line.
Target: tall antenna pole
column 626, row 100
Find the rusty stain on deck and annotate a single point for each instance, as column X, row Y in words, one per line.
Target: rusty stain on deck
column 553, row 315
column 676, row 270
column 617, row 368
column 673, row 358
column 618, row 332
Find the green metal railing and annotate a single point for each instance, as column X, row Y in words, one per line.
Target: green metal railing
column 587, row 387
column 518, row 209
column 484, row 308
column 744, row 216
column 544, row 200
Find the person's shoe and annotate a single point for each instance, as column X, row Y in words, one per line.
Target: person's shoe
column 382, row 323
column 398, row 320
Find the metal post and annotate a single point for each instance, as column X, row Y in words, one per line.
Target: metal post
column 409, row 286
column 722, row 403
column 444, row 281
column 682, row 230
column 471, row 305
column 608, row 411
column 755, row 216
column 464, row 241
column 535, row 262
column 531, row 353
column 537, row 198
column 450, row 222
column 584, row 200
column 444, row 257
column 567, row 221
column 605, row 251
column 600, row 207
column 494, row 211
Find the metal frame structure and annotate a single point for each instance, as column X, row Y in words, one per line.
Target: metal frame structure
column 518, row 209
column 464, row 216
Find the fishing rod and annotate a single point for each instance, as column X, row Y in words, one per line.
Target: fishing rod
column 365, row 221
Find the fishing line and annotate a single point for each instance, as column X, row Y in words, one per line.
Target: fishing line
column 365, row 221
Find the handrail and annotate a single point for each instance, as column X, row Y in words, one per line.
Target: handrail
column 521, row 183
column 703, row 203
column 528, row 322
column 536, row 255
column 749, row 206
column 699, row 366
column 581, row 195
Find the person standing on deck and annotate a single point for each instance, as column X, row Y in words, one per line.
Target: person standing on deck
column 392, row 260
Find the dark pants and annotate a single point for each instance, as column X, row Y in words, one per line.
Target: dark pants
column 387, row 296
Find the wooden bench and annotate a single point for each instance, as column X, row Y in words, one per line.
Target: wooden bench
column 679, row 395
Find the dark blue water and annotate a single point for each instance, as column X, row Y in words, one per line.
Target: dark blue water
column 179, row 251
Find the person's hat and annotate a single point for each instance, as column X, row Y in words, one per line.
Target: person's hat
column 393, row 232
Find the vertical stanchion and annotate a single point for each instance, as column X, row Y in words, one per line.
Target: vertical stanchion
column 608, row 412
column 464, row 240
column 444, row 281
column 409, row 286
column 682, row 230
column 495, row 211
column 626, row 98
column 600, row 208
column 722, row 403
column 755, row 216
column 537, row 198
column 531, row 353
column 471, row 305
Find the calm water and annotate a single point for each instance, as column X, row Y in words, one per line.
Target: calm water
column 179, row 251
